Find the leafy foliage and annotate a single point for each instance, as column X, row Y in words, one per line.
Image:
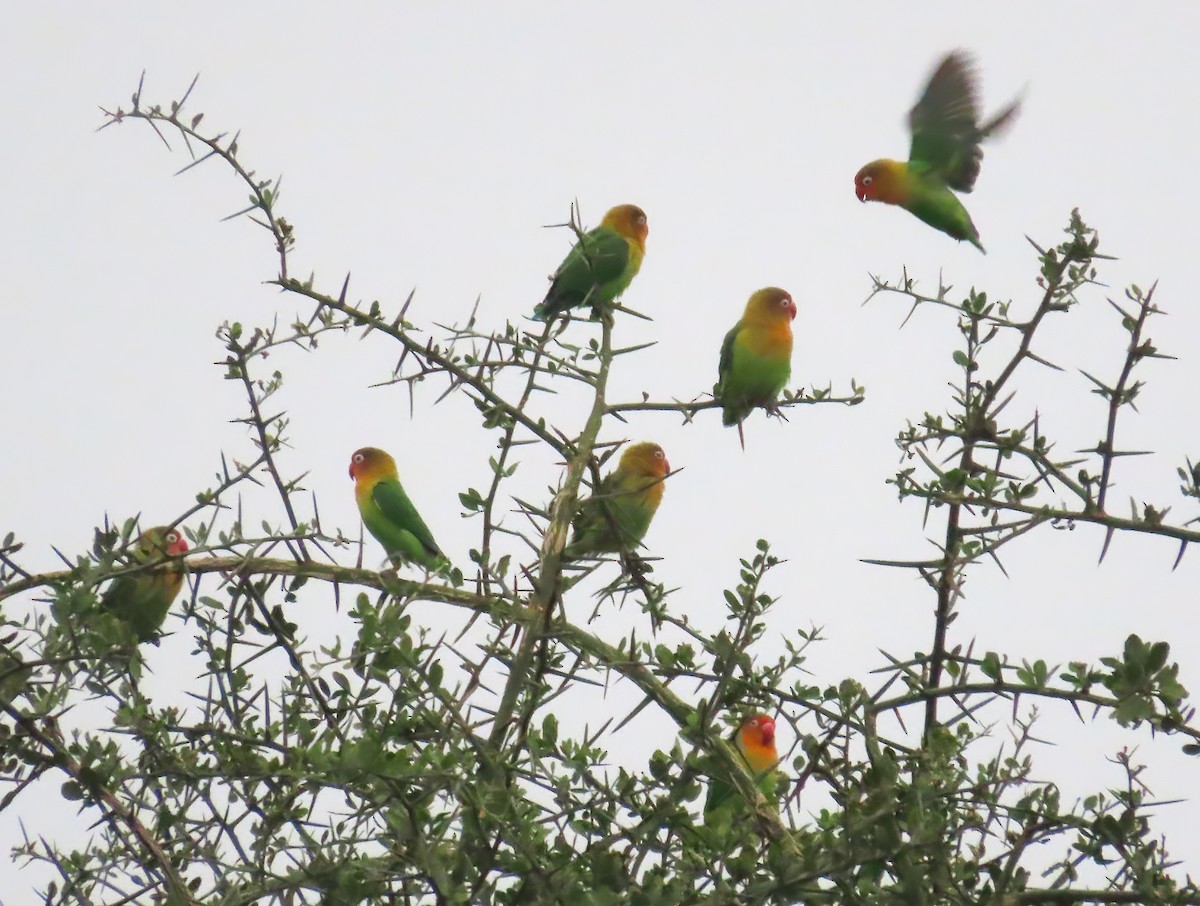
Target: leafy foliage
column 393, row 766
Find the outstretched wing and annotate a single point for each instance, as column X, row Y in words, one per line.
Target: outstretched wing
column 945, row 125
column 389, row 496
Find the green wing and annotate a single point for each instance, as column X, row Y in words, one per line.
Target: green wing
column 612, row 503
column 14, row 676
column 389, row 496
column 945, row 125
column 590, row 274
column 946, row 132
column 592, row 532
column 719, row 793
column 725, row 365
column 731, row 411
column 724, row 803
column 142, row 601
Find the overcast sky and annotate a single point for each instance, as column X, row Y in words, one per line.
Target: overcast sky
column 426, row 147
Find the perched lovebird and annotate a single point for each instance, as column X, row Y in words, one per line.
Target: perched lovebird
column 755, row 739
column 617, row 515
column 756, row 357
column 15, row 675
column 601, row 265
column 387, row 512
column 945, row 155
column 142, row 599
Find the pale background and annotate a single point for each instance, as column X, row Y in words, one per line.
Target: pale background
column 426, row 148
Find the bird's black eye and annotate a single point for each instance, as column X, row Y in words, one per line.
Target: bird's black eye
column 867, row 180
column 172, row 537
column 641, row 219
column 359, row 458
column 659, row 454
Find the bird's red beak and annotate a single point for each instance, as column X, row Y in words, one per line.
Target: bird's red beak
column 860, row 192
column 767, row 728
column 351, row 470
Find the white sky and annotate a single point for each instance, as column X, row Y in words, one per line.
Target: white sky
column 427, row 147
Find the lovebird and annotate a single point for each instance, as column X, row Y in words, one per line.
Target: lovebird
column 944, row 157
column 600, row 266
column 15, row 675
column 388, row 514
column 756, row 357
column 615, row 518
column 143, row 599
column 755, row 739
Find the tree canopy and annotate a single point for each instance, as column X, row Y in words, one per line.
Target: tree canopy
column 395, row 764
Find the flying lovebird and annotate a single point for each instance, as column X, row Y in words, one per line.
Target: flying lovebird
column 756, row 357
column 600, row 266
column 388, row 514
column 944, row 157
column 755, row 739
column 142, row 599
column 615, row 518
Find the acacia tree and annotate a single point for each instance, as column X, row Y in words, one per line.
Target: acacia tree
column 394, row 767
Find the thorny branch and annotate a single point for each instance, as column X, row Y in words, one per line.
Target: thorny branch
column 436, row 804
column 972, row 487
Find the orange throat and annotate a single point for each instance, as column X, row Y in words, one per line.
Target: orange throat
column 761, row 756
column 652, row 495
column 770, row 339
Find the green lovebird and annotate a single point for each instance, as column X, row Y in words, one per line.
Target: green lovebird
column 756, row 357
column 615, row 518
column 388, row 514
column 755, row 739
column 945, row 155
column 601, row 265
column 142, row 599
column 15, row 675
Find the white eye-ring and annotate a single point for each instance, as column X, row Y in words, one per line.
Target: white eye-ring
column 172, row 537
column 867, row 180
column 359, row 458
column 641, row 219
column 659, row 454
